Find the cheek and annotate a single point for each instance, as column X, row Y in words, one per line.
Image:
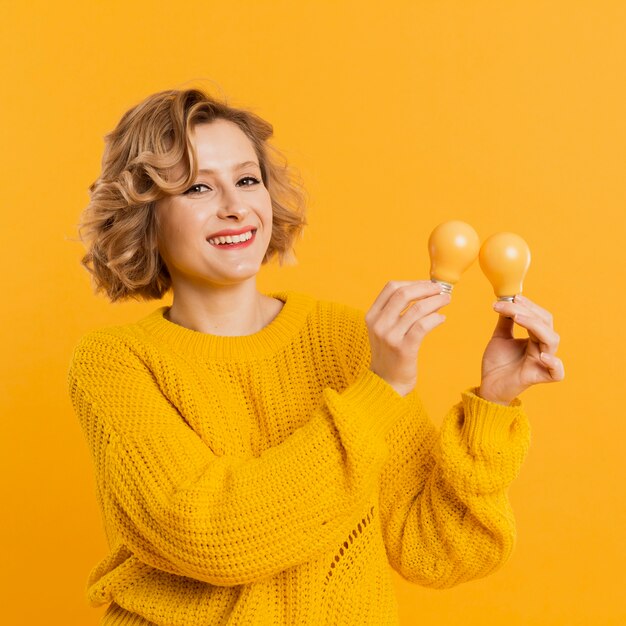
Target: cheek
column 269, row 211
column 170, row 241
column 161, row 228
column 177, row 231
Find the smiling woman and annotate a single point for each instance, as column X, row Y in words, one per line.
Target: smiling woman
column 263, row 458
column 202, row 259
column 178, row 168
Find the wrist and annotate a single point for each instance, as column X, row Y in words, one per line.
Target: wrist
column 402, row 389
column 490, row 396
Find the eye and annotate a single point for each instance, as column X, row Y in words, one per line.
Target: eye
column 195, row 189
column 255, row 181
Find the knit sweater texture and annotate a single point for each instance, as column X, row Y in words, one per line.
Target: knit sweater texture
column 275, row 479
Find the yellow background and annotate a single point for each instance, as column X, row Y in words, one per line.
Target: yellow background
column 400, row 115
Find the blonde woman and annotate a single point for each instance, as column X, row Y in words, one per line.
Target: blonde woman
column 263, row 458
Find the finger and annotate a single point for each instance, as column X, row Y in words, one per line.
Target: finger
column 544, row 314
column 554, row 365
column 383, row 296
column 421, row 327
column 405, row 295
column 539, row 332
column 392, row 287
column 510, row 309
column 419, row 310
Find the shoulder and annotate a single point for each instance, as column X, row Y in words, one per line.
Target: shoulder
column 340, row 309
column 332, row 314
column 341, row 328
column 120, row 342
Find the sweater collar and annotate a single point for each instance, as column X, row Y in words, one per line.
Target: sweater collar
column 277, row 334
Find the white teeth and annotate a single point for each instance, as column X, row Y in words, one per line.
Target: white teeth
column 232, row 239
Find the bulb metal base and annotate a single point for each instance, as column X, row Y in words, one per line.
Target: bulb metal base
column 445, row 287
column 506, row 298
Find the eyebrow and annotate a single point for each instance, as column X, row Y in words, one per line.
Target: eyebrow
column 240, row 166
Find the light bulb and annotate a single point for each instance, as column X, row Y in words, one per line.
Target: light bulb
column 453, row 247
column 504, row 258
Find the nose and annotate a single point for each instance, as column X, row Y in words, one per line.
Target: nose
column 231, row 205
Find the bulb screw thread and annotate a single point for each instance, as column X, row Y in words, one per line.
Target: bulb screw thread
column 506, row 298
column 445, row 287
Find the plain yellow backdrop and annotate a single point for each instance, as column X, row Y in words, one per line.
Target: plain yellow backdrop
column 399, row 115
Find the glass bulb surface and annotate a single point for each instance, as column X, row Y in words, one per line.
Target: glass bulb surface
column 504, row 259
column 453, row 246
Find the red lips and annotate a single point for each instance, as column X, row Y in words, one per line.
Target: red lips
column 231, row 231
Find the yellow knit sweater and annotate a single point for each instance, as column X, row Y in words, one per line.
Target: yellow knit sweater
column 272, row 478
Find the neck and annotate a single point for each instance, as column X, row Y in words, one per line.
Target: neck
column 228, row 310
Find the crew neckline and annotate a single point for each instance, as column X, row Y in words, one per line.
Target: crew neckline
column 272, row 337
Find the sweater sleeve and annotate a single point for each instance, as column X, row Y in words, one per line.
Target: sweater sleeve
column 225, row 520
column 445, row 513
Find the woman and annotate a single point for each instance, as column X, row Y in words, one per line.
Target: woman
column 261, row 458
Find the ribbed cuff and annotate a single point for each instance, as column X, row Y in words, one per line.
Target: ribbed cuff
column 376, row 403
column 487, row 423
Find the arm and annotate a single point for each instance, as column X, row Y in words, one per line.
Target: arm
column 460, row 525
column 444, row 510
column 227, row 521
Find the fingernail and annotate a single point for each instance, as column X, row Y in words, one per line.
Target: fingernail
column 498, row 306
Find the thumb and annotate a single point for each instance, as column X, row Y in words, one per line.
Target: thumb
column 504, row 327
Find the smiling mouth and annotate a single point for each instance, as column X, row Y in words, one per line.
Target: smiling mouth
column 233, row 241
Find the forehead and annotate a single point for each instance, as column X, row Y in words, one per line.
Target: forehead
column 222, row 142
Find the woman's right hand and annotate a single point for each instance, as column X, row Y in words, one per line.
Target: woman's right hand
column 395, row 337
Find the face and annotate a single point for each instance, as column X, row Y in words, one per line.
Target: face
column 227, row 195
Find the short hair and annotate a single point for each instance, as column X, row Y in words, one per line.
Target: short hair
column 119, row 227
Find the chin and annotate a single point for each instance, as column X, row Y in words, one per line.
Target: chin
column 241, row 276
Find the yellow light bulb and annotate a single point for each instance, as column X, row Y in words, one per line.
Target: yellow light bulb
column 453, row 247
column 504, row 258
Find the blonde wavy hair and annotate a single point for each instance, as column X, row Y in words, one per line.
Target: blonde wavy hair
column 118, row 226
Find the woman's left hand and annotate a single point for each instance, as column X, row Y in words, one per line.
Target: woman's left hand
column 512, row 365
